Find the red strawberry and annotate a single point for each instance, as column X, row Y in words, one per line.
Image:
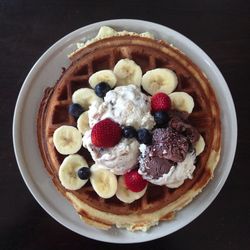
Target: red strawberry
column 160, row 102
column 134, row 181
column 106, row 133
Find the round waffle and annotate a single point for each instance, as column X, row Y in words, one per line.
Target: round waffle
column 159, row 202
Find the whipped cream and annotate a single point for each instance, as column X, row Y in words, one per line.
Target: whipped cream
column 119, row 159
column 126, row 105
column 176, row 175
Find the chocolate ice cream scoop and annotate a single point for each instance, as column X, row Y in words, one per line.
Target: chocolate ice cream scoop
column 169, row 147
column 169, row 144
column 154, row 167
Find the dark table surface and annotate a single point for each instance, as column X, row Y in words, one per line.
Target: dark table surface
column 28, row 28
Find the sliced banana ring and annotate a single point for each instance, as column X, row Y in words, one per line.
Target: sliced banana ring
column 68, row 172
column 182, row 101
column 128, row 72
column 83, row 122
column 159, row 80
column 85, row 97
column 199, row 145
column 103, row 181
column 125, row 195
column 105, row 75
column 105, row 31
column 67, row 140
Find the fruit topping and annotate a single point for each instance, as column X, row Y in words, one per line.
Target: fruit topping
column 144, row 136
column 129, row 132
column 106, row 133
column 160, row 102
column 103, row 181
column 75, row 110
column 83, row 173
column 182, row 101
column 83, row 122
column 101, row 89
column 67, row 140
column 199, row 145
column 134, row 181
column 68, row 172
column 126, row 195
column 161, row 118
column 159, row 80
column 128, row 72
column 85, row 97
column 105, row 75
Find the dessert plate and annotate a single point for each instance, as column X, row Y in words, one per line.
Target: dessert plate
column 46, row 72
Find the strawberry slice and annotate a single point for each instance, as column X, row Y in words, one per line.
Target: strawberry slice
column 134, row 181
column 160, row 102
column 106, row 133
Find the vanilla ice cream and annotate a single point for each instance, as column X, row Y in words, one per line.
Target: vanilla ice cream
column 119, row 159
column 126, row 105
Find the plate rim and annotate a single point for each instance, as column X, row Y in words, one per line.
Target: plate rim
column 20, row 101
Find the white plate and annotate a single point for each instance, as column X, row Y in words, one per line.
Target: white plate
column 45, row 73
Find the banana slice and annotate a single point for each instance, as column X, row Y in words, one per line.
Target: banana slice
column 105, row 75
column 182, row 101
column 105, row 31
column 85, row 97
column 67, row 140
column 128, row 72
column 159, row 80
column 147, row 34
column 68, row 172
column 83, row 122
column 103, row 181
column 125, row 195
column 199, row 145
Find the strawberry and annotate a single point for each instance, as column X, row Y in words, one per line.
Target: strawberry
column 134, row 181
column 106, row 133
column 160, row 102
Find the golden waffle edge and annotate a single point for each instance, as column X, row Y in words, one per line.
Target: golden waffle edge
column 159, row 203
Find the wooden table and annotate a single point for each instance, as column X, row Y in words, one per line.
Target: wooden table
column 221, row 28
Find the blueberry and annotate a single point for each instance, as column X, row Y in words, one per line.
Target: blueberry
column 75, row 110
column 84, row 173
column 101, row 89
column 144, row 136
column 129, row 132
column 161, row 118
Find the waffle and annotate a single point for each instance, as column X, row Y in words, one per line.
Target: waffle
column 159, row 203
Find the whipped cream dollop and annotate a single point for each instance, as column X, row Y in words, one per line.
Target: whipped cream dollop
column 119, row 159
column 126, row 105
column 176, row 176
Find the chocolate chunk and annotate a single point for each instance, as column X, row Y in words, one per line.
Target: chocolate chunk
column 169, row 144
column 186, row 129
column 180, row 114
